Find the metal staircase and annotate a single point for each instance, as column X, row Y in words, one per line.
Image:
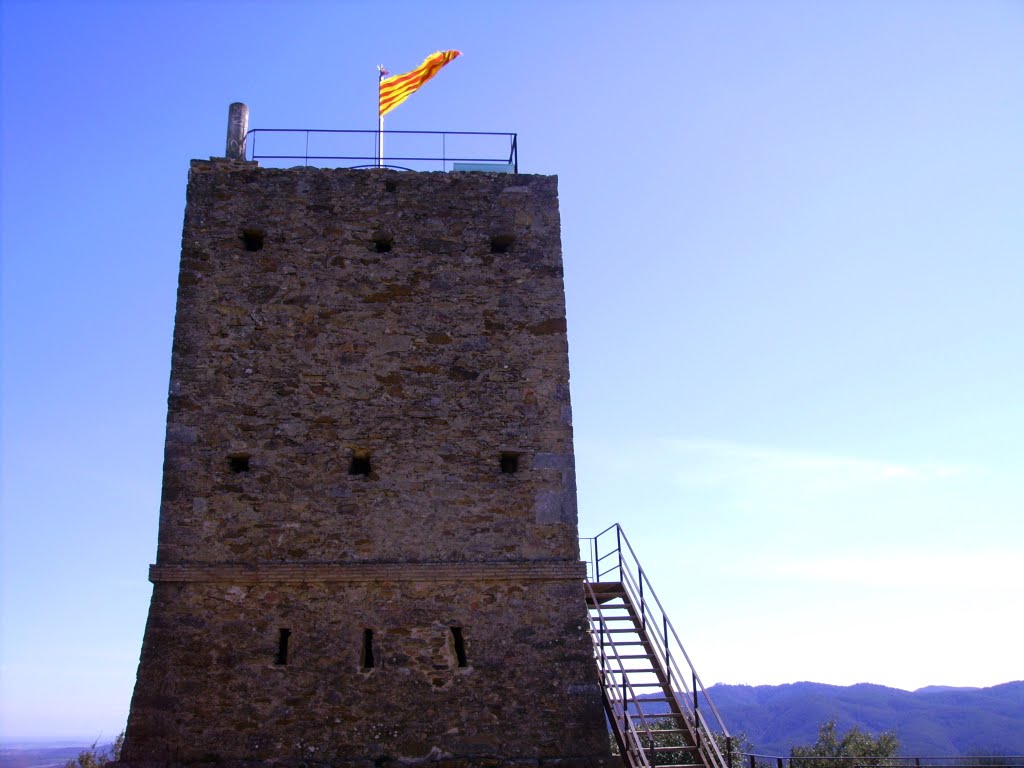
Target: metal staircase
column 659, row 712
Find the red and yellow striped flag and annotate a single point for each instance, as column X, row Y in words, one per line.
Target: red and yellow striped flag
column 397, row 88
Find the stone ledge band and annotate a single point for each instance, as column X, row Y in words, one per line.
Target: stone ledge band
column 292, row 573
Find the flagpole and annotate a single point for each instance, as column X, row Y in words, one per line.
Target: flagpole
column 380, row 119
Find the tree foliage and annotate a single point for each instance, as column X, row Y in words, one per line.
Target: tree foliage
column 96, row 756
column 858, row 747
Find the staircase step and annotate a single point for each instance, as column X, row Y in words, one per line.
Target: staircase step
column 647, row 750
column 647, row 699
column 644, row 685
column 646, row 671
column 638, row 689
column 626, row 655
column 603, row 592
column 670, row 730
column 645, row 731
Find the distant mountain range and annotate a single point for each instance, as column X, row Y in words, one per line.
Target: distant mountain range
column 931, row 721
column 37, row 755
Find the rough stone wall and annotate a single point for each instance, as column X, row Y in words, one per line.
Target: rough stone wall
column 518, row 699
column 369, row 430
column 433, row 357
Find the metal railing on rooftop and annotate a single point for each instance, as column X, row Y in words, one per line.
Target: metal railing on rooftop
column 962, row 761
column 404, row 150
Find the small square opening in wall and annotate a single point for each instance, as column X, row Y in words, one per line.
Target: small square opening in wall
column 502, row 243
column 359, row 464
column 509, row 462
column 239, row 462
column 382, row 243
column 252, row 239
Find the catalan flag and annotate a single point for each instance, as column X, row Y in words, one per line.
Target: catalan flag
column 397, row 88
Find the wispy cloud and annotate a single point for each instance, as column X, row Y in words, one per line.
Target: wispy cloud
column 714, row 462
column 745, row 502
column 960, row 571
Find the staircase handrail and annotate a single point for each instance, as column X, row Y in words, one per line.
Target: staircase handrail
column 639, row 588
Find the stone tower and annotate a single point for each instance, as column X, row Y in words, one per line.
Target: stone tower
column 367, row 552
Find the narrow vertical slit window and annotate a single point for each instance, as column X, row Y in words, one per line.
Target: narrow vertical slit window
column 460, row 646
column 283, row 636
column 367, row 661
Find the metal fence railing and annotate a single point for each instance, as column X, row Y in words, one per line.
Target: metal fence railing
column 748, row 760
column 404, row 150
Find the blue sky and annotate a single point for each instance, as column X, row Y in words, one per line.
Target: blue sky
column 792, row 236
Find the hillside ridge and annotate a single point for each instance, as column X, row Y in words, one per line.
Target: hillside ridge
column 934, row 720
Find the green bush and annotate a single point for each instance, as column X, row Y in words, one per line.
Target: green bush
column 96, row 757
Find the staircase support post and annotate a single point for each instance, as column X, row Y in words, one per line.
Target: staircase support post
column 643, row 605
column 696, row 715
column 618, row 544
column 668, row 654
